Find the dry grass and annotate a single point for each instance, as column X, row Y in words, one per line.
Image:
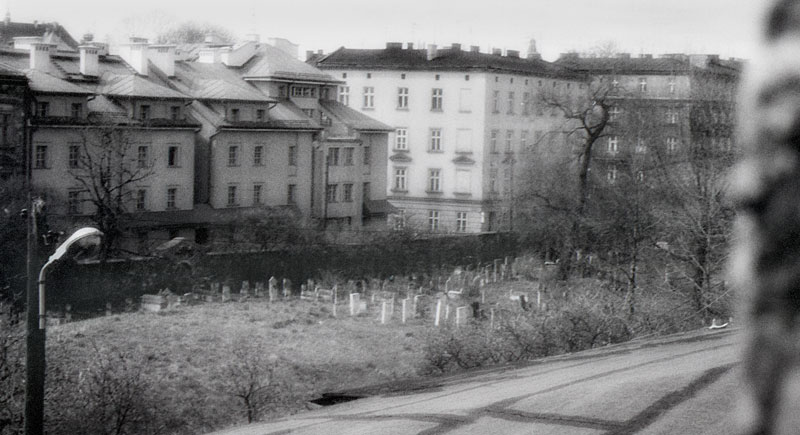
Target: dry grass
column 188, row 347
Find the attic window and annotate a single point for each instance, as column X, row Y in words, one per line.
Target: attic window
column 144, row 112
column 526, row 81
column 511, row 80
column 344, row 75
column 234, row 115
column 403, row 76
column 175, row 112
column 260, row 115
column 437, row 76
column 466, row 78
column 369, row 75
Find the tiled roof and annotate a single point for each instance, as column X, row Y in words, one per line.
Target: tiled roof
column 275, row 63
column 445, row 60
column 280, row 117
column 632, row 65
column 46, row 83
column 8, row 71
column 9, row 31
column 214, row 82
column 352, row 118
column 135, row 86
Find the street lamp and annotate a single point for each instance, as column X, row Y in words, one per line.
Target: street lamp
column 35, row 356
column 83, row 238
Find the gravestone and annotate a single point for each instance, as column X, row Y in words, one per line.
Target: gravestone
column 273, row 288
column 461, row 316
column 405, row 310
column 215, row 287
column 355, row 304
column 259, row 290
column 287, row 287
column 226, row 293
column 152, row 303
column 245, row 290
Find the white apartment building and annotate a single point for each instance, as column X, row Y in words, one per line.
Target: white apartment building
column 460, row 120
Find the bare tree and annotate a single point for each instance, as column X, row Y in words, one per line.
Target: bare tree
column 190, row 32
column 250, row 378
column 108, row 168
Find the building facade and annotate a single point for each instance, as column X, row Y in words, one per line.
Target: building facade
column 459, row 119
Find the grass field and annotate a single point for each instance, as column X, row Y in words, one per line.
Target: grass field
column 188, row 348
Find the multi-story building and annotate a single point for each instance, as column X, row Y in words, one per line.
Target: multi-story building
column 14, row 111
column 658, row 106
column 459, row 118
column 199, row 141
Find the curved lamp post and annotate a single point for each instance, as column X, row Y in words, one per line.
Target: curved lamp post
column 84, row 238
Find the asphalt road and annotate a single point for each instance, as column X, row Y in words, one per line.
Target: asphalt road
column 681, row 384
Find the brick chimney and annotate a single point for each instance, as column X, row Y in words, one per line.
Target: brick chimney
column 512, row 53
column 163, row 57
column 135, row 54
column 432, row 52
column 40, row 55
column 410, row 45
column 497, row 51
column 89, row 60
column 455, row 46
column 394, row 45
column 474, row 49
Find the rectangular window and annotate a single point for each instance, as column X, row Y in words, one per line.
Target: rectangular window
column 308, row 112
column 74, row 156
column 365, row 191
column 493, row 180
column 436, row 140
column 76, row 110
column 235, row 115
column 510, row 103
column 526, row 103
column 293, row 155
column 672, row 116
column 142, row 152
column 43, row 109
column 369, row 97
column 333, row 156
column 523, row 141
column 671, row 85
column 461, row 222
column 5, row 125
column 175, row 112
column 231, row 196
column 141, row 200
column 304, row 91
column 436, row 99
column 144, row 112
column 73, row 202
column 347, row 192
column 402, row 98
column 464, row 140
column 613, row 113
column 367, row 156
column 507, row 181
column 400, row 179
column 258, row 155
column 672, row 144
column 401, row 139
column 172, row 196
column 330, row 193
column 348, row 156
column 613, row 144
column 493, row 140
column 40, row 161
column 433, row 220
column 463, row 180
column 642, row 84
column 173, row 159
column 291, row 194
column 465, row 100
column 257, row 189
column 509, row 140
column 496, row 102
column 611, row 174
column 261, row 115
column 344, row 95
column 434, row 180
column 233, row 155
column 641, row 147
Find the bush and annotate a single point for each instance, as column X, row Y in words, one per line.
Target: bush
column 12, row 372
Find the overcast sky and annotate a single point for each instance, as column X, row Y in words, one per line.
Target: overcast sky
column 725, row 27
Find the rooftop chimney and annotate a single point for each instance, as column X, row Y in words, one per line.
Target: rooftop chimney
column 309, row 54
column 497, row 51
column 208, row 55
column 624, row 55
column 40, row 55
column 88, row 60
column 163, row 57
column 456, row 46
column 394, row 45
column 647, row 56
column 432, row 51
column 135, row 54
column 24, row 42
column 512, row 53
column 410, row 45
column 474, row 49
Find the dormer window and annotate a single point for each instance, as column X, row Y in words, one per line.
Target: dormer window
column 144, row 112
column 304, row 91
column 260, row 115
column 234, row 115
column 76, row 110
column 175, row 113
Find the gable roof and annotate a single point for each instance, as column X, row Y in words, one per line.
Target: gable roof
column 446, row 59
column 626, row 65
column 131, row 85
column 11, row 30
column 276, row 64
column 45, row 83
column 353, row 118
column 214, row 82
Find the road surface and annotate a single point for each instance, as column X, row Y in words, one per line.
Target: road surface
column 681, row 384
